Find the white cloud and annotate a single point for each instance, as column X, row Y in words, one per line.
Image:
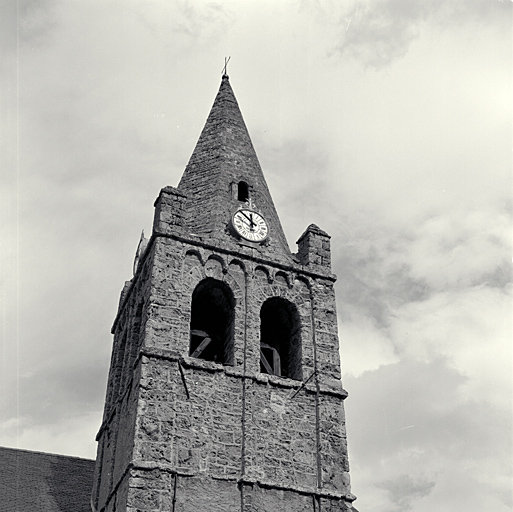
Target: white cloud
column 459, row 249
column 471, row 328
column 363, row 346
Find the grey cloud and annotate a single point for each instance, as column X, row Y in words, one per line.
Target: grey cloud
column 376, row 35
column 294, row 170
column 8, row 27
column 413, row 404
column 415, row 419
column 36, row 20
column 386, row 405
column 383, row 269
column 500, row 276
column 380, row 32
column 52, row 393
column 404, row 490
column 373, row 279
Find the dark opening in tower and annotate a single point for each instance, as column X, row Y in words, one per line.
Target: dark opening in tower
column 242, row 191
column 212, row 319
column 280, row 339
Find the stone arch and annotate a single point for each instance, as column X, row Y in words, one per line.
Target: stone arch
column 235, row 277
column 262, row 274
column 238, row 264
column 215, row 267
column 301, row 282
column 266, row 290
column 282, row 278
column 193, row 270
column 212, row 322
column 299, row 295
column 280, row 338
column 192, row 254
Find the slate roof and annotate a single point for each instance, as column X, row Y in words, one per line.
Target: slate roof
column 44, row 482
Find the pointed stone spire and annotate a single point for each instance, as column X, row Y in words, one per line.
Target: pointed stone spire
column 223, row 157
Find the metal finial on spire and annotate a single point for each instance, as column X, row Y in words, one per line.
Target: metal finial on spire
column 226, row 60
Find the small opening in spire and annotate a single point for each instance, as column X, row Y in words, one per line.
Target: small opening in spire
column 242, row 191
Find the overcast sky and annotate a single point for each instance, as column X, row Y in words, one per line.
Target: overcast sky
column 385, row 122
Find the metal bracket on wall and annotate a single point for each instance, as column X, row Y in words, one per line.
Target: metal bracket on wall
column 182, row 374
column 174, row 492
column 303, row 384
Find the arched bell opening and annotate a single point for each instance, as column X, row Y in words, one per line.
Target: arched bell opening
column 280, row 339
column 212, row 322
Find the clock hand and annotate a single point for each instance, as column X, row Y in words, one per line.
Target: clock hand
column 252, row 222
column 246, row 223
column 247, row 217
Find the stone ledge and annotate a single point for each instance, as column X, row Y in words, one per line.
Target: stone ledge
column 160, row 353
column 225, row 478
column 140, row 465
column 201, row 364
column 168, row 468
column 259, row 378
column 269, row 484
column 282, row 382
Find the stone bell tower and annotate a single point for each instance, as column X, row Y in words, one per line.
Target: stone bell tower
column 224, row 391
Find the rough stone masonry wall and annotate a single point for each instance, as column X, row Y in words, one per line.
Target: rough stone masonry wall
column 116, row 434
column 192, row 426
column 198, row 435
column 223, row 432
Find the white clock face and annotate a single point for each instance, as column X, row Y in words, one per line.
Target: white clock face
column 250, row 225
